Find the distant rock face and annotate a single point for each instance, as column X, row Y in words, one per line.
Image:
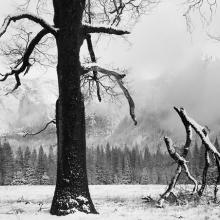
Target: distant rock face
column 27, row 108
column 148, row 131
column 33, row 105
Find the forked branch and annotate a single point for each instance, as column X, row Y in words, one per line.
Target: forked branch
column 31, row 17
column 43, row 129
column 24, row 65
column 93, row 59
column 190, row 124
column 182, row 163
column 118, row 77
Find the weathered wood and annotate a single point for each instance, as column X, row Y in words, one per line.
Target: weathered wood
column 204, row 174
column 71, row 193
column 180, row 160
column 217, row 179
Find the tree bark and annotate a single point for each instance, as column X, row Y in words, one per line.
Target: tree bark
column 71, row 193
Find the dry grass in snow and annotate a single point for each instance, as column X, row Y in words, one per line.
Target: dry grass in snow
column 113, row 202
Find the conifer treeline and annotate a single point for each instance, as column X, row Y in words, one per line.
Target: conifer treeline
column 105, row 165
column 111, row 165
column 26, row 167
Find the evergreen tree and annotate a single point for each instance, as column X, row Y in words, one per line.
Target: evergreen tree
column 34, row 159
column 119, row 166
column 91, row 165
column 27, row 157
column 1, row 165
column 127, row 172
column 108, row 164
column 40, row 165
column 18, row 178
column 145, row 176
column 7, row 164
column 29, row 170
column 101, row 175
column 45, row 162
column 19, row 160
column 147, row 158
column 30, row 176
column 51, row 166
column 195, row 162
column 45, row 180
column 154, row 176
column 201, row 158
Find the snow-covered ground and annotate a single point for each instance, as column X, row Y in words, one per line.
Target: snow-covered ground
column 113, row 202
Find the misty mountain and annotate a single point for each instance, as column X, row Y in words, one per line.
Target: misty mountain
column 31, row 106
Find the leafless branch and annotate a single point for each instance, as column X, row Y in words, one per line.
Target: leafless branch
column 201, row 131
column 24, row 66
column 182, row 163
column 205, row 8
column 31, row 17
column 204, row 175
column 43, row 129
column 102, row 29
column 118, row 77
column 93, row 59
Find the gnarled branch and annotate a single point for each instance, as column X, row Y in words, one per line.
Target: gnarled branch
column 201, row 131
column 43, row 129
column 24, row 65
column 102, row 29
column 181, row 161
column 210, row 148
column 31, row 17
column 118, row 77
column 204, row 174
column 93, row 59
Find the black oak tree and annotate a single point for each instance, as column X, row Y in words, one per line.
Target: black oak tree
column 73, row 23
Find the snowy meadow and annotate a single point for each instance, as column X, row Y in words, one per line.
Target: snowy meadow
column 113, row 202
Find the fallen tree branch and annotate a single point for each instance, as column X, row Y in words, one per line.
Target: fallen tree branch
column 201, row 131
column 190, row 124
column 179, row 167
column 210, row 148
column 204, row 174
column 217, row 180
column 181, row 161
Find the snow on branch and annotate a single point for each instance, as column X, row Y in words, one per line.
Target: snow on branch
column 210, row 148
column 190, row 124
column 204, row 174
column 182, row 163
column 43, row 129
column 188, row 129
column 118, row 77
column 29, row 16
column 200, row 130
column 87, row 28
column 24, row 65
column 217, row 38
column 180, row 160
column 174, row 155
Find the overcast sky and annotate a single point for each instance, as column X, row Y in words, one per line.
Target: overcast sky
column 167, row 65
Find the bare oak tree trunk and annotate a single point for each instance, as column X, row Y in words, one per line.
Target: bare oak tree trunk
column 71, row 191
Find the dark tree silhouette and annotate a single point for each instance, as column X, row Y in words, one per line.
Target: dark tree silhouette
column 73, row 22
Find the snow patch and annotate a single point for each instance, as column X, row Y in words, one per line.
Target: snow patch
column 82, row 198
